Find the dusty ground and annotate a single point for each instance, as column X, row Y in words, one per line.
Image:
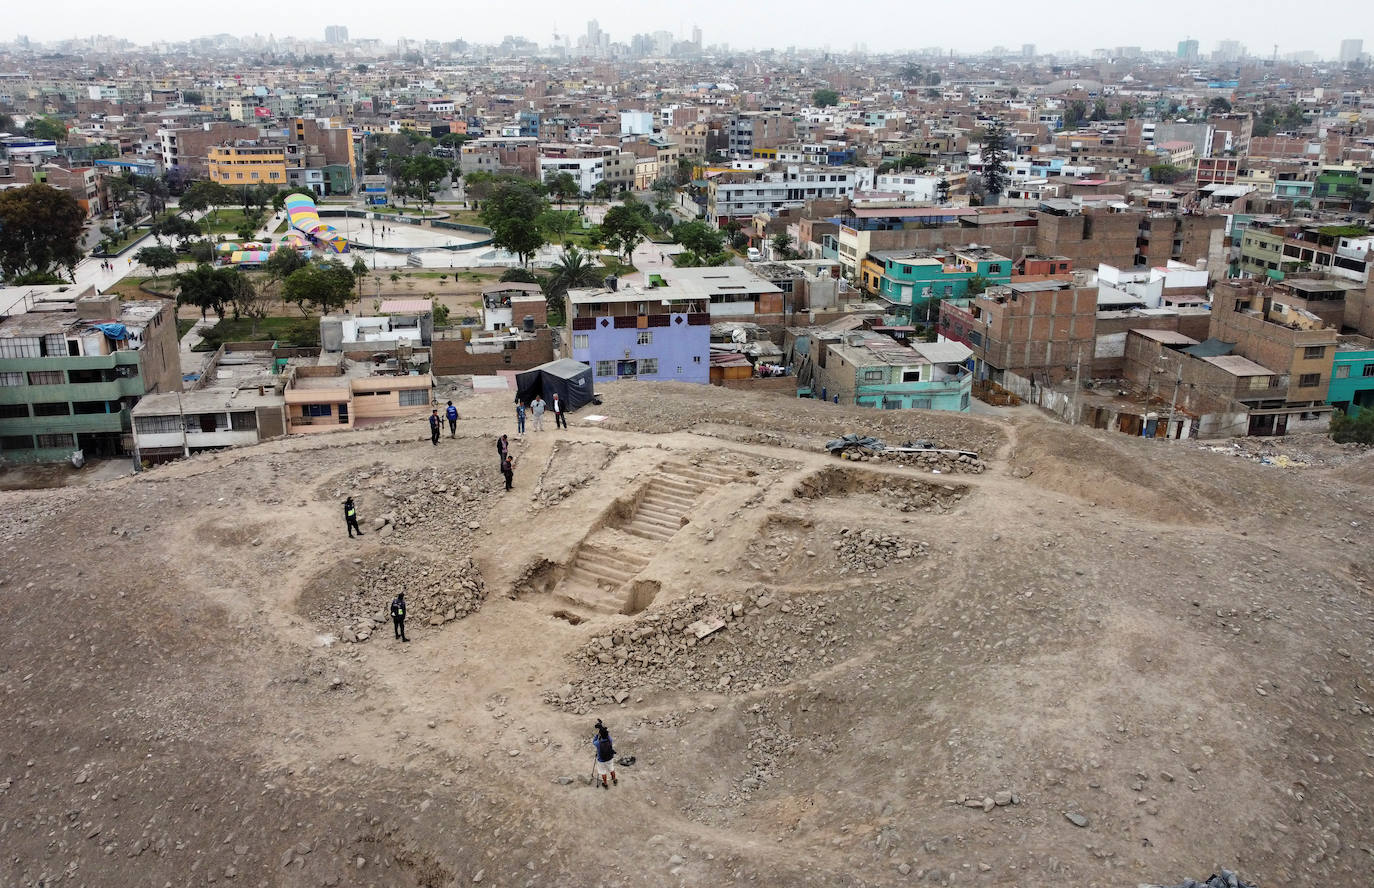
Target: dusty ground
column 1172, row 644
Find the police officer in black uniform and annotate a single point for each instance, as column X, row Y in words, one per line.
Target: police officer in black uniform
column 398, row 615
column 351, row 516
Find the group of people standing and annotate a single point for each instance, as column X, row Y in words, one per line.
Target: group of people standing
column 536, row 410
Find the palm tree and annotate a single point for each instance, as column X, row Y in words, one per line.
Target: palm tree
column 573, row 268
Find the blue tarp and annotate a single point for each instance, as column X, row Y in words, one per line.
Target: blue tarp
column 114, row 331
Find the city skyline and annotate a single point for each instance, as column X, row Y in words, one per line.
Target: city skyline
column 764, row 24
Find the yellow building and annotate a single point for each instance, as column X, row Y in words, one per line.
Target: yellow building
column 247, row 165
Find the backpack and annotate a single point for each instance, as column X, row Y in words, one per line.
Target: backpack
column 604, row 751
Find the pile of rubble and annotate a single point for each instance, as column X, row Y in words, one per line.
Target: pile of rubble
column 436, row 593
column 571, row 465
column 870, row 550
column 941, row 463
column 427, row 505
column 699, row 644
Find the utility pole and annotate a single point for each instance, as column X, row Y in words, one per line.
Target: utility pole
column 1178, row 381
column 1077, row 386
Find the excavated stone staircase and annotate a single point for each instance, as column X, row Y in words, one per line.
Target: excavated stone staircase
column 598, row 578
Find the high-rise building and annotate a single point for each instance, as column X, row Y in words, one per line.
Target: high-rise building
column 696, row 37
column 1188, row 50
column 1351, row 50
column 1027, row 50
column 1229, row 51
column 336, row 34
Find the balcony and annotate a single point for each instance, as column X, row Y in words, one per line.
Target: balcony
column 81, row 423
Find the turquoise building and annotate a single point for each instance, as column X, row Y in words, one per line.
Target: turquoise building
column 1352, row 375
column 868, row 369
column 918, row 278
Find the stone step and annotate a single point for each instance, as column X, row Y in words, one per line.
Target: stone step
column 667, row 523
column 621, row 561
column 667, row 499
column 649, row 532
column 594, row 600
column 667, row 513
column 687, row 490
column 692, row 475
column 596, row 576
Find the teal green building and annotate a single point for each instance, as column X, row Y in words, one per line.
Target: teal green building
column 73, row 365
column 1352, row 375
column 915, row 279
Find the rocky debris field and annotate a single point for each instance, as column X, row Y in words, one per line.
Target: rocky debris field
column 353, row 599
column 722, row 644
column 935, row 463
column 904, row 495
column 860, row 550
column 433, row 506
column 569, row 467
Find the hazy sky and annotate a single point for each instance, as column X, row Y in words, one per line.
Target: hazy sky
column 883, row 25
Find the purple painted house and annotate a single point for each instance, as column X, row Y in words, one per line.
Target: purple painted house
column 629, row 333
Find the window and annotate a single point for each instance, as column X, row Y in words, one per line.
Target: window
column 920, row 403
column 243, row 421
column 343, row 414
column 1368, row 370
column 605, row 368
column 45, row 377
column 1343, row 371
column 13, row 411
column 963, row 401
column 994, row 268
column 582, row 340
column 648, row 366
column 1309, row 380
column 696, row 359
column 679, row 369
column 414, row 397
column 873, row 376
column 55, row 441
column 16, row 442
column 1314, row 352
column 645, row 337
column 317, row 410
column 9, row 378
column 157, row 425
column 52, row 408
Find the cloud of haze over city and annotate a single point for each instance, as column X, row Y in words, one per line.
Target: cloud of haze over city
column 877, row 25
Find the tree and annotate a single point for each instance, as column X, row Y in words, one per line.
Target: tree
column 573, row 268
column 1219, row 105
column 1099, row 110
column 1075, row 113
column 665, row 191
column 40, row 232
column 192, row 97
column 782, row 244
column 49, row 128
column 1167, row 174
column 205, row 195
column 421, row 175
column 1358, row 429
column 324, row 288
column 204, row 288
column 555, row 223
column 623, row 229
column 156, row 258
column 942, row 191
column 104, row 151
column 512, row 213
column 359, row 273
column 519, row 276
column 824, row 98
column 976, row 285
column 562, row 185
column 247, row 298
column 603, row 190
column 700, row 238
column 994, row 153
